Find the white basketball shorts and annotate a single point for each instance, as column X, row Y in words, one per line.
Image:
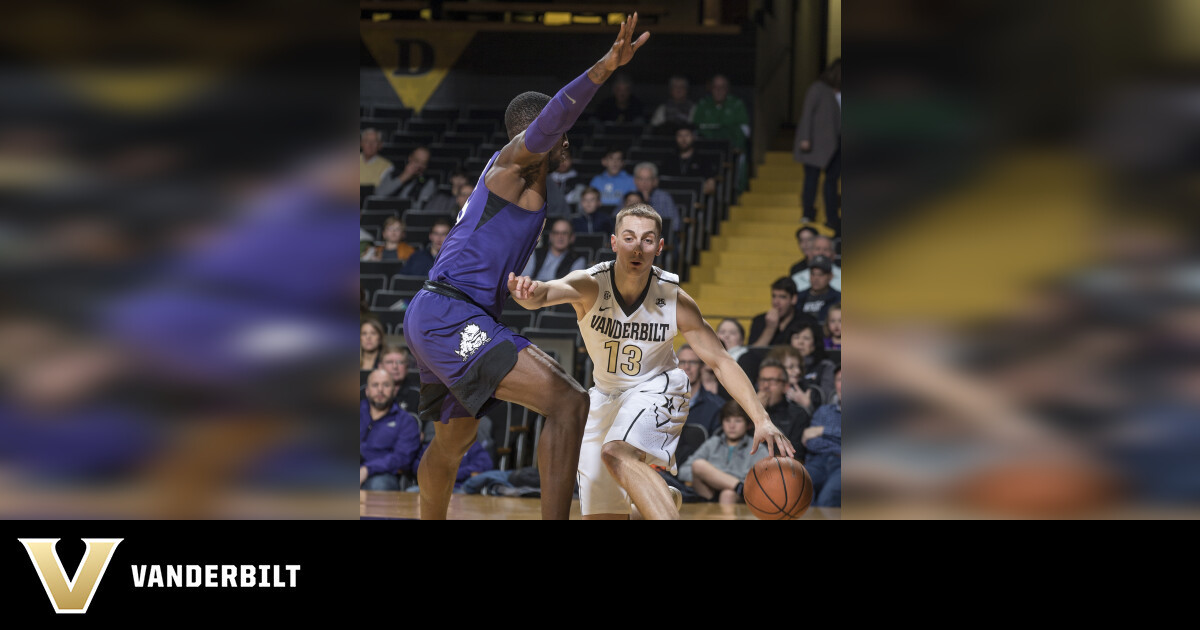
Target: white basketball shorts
column 648, row 416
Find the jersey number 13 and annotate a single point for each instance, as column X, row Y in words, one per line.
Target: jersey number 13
column 633, row 361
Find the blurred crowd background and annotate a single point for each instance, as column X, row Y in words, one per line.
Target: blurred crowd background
column 176, row 317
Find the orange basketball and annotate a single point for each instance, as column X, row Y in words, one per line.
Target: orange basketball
column 778, row 489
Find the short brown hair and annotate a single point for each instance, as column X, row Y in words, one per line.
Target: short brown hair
column 640, row 210
column 778, row 353
column 774, row 363
column 732, row 408
column 390, row 349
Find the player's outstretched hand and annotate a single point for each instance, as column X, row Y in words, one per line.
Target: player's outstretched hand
column 624, row 48
column 773, row 440
column 521, row 287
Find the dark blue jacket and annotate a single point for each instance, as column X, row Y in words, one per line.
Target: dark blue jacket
column 419, row 263
column 705, row 410
column 389, row 444
column 830, row 417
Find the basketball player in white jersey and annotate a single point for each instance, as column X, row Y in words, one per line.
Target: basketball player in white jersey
column 629, row 313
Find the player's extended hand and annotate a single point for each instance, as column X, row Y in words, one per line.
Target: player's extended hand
column 522, row 287
column 625, row 46
column 774, row 440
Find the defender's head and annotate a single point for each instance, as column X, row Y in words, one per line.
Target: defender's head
column 522, row 110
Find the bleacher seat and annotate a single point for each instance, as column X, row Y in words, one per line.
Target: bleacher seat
column 389, row 299
column 394, row 113
column 391, row 204
column 422, row 126
column 393, row 321
column 411, row 284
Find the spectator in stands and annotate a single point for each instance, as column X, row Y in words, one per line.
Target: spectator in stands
column 723, row 116
column 804, row 239
column 395, row 360
column 808, row 339
column 393, row 247
column 475, row 461
column 816, row 299
column 411, row 183
column 631, row 198
column 772, row 327
column 687, row 163
column 733, row 337
column 708, row 379
column 614, row 182
column 821, row 246
column 365, row 242
column 645, row 177
column 818, row 144
column 798, row 391
column 677, row 110
column 461, row 195
column 446, row 201
column 718, row 467
column 590, row 219
column 371, row 165
column 705, row 407
column 388, row 437
column 370, row 336
column 555, row 261
column 791, row 419
column 557, row 194
column 421, row 262
column 622, row 106
column 833, row 328
column 823, row 441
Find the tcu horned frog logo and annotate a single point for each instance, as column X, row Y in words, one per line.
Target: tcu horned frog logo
column 473, row 338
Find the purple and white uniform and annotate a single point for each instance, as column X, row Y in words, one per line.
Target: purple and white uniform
column 452, row 326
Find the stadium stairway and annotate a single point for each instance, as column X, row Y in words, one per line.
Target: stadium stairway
column 754, row 247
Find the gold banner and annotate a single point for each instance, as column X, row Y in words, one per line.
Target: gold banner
column 415, row 61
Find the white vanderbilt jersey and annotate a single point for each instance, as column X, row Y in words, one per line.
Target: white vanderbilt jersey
column 633, row 343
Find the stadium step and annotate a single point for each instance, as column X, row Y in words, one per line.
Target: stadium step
column 756, row 199
column 754, row 228
column 778, row 186
column 789, row 172
column 768, row 242
column 756, row 246
column 780, row 158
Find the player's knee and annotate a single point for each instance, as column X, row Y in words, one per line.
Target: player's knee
column 572, row 403
column 611, row 454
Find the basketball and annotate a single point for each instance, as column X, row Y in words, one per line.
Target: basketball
column 778, row 489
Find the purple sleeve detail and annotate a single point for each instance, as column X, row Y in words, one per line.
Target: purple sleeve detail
column 559, row 114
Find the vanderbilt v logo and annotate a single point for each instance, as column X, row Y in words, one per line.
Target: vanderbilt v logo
column 72, row 596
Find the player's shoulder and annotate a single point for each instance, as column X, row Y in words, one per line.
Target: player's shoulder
column 662, row 276
column 599, row 268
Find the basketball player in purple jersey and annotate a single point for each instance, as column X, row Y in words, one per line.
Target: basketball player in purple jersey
column 467, row 358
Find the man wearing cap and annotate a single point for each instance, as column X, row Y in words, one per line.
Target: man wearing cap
column 817, row 299
column 821, row 246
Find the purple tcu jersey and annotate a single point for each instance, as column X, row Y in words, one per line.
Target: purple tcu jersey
column 491, row 238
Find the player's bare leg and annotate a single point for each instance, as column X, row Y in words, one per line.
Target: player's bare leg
column 647, row 489
column 709, row 482
column 539, row 383
column 439, row 466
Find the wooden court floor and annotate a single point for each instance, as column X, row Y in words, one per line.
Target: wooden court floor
column 474, row 507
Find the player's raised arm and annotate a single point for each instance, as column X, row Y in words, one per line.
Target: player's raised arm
column 704, row 341
column 577, row 288
column 565, row 108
